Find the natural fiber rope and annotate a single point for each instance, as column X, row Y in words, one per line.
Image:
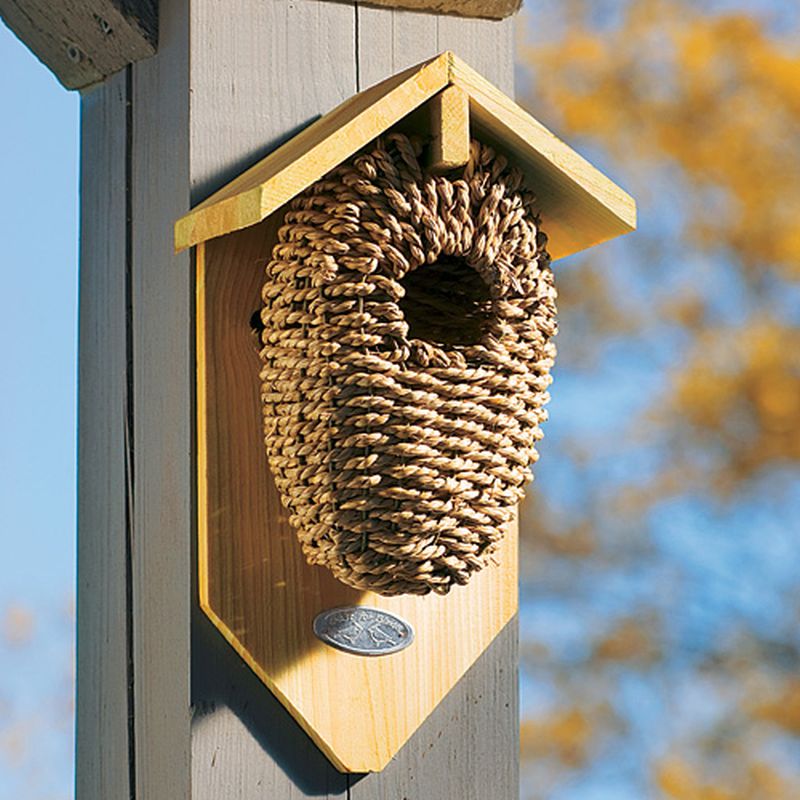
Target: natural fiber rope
column 401, row 452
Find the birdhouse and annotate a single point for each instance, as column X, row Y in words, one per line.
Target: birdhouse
column 374, row 317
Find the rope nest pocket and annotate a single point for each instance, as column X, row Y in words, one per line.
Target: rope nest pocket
column 406, row 357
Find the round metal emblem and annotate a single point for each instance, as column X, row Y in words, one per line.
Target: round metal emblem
column 363, row 631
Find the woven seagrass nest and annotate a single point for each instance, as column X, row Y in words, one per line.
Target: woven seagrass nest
column 406, row 357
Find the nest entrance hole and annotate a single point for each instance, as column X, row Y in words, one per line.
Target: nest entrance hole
column 446, row 303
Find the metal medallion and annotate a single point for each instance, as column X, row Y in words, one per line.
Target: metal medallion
column 363, row 631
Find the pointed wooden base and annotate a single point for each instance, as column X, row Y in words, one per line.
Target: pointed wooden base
column 253, row 580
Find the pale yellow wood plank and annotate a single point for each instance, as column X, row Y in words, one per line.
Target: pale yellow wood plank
column 254, row 583
column 201, row 410
column 580, row 206
column 294, row 166
column 449, row 113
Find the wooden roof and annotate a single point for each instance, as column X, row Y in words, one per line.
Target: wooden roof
column 580, row 206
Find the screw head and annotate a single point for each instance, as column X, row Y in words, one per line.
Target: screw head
column 73, row 52
column 105, row 25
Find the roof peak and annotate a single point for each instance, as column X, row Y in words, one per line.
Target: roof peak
column 579, row 205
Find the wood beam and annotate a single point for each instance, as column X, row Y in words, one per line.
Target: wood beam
column 84, row 41
column 450, row 129
column 486, row 9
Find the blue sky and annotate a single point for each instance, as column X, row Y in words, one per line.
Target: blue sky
column 39, row 235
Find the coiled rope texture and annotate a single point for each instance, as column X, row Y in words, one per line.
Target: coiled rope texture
column 407, row 357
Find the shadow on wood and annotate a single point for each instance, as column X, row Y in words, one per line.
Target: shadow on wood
column 222, row 682
column 203, row 189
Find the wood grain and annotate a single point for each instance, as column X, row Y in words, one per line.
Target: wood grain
column 486, row 45
column 245, row 744
column 391, row 41
column 254, row 583
column 101, row 761
column 161, row 388
column 468, row 749
column 256, row 86
column 450, row 134
column 87, row 40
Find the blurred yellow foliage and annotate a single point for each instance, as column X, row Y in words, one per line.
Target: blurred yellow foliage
column 564, row 735
column 741, row 389
column 634, row 639
column 717, row 96
column 701, row 105
column 677, row 780
column 15, row 742
column 756, row 780
column 713, row 93
column 783, row 709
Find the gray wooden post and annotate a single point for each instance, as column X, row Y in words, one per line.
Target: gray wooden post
column 165, row 708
